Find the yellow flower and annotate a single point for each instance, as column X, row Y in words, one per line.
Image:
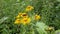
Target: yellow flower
column 29, row 8
column 18, row 16
column 24, row 15
column 37, row 17
column 26, row 21
column 17, row 21
column 50, row 28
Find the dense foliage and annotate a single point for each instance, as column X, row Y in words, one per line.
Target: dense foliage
column 49, row 11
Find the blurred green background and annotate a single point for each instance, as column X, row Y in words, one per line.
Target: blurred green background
column 48, row 9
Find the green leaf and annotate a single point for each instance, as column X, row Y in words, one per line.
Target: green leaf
column 3, row 19
column 58, row 0
column 41, row 27
column 57, row 32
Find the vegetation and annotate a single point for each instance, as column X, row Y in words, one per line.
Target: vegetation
column 29, row 16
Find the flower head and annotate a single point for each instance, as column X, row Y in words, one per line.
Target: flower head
column 24, row 15
column 29, row 8
column 17, row 21
column 50, row 28
column 26, row 21
column 19, row 15
column 37, row 17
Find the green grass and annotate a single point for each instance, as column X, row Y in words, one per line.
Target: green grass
column 48, row 9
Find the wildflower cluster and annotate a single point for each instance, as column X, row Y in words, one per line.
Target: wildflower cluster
column 24, row 18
